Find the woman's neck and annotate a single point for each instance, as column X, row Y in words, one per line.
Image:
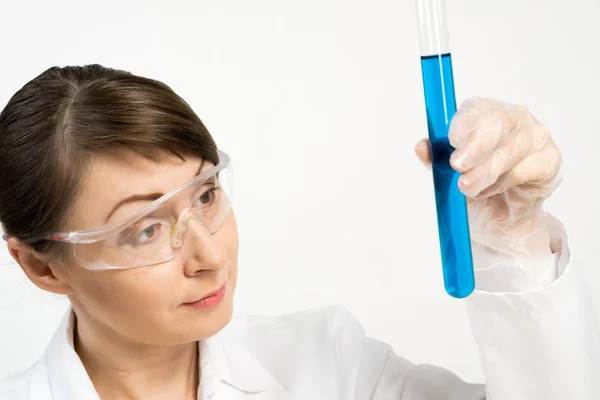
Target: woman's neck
column 121, row 369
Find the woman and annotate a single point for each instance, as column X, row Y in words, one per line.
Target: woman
column 115, row 194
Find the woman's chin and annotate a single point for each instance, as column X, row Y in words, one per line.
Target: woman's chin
column 207, row 322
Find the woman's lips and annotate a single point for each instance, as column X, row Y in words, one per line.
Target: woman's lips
column 210, row 300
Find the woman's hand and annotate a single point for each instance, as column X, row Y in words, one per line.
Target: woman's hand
column 509, row 165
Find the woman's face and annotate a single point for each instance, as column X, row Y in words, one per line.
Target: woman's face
column 148, row 304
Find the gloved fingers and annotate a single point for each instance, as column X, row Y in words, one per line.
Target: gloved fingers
column 463, row 120
column 538, row 173
column 500, row 161
column 423, row 152
column 481, row 141
column 540, row 168
column 476, row 130
column 498, row 187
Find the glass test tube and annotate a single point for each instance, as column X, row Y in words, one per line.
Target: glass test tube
column 440, row 103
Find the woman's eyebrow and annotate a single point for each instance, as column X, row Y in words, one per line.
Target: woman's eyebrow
column 144, row 197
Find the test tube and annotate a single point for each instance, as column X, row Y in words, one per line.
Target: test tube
column 440, row 104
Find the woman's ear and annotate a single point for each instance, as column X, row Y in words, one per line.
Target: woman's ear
column 45, row 274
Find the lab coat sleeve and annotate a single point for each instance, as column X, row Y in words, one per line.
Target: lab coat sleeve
column 537, row 340
column 540, row 344
column 372, row 371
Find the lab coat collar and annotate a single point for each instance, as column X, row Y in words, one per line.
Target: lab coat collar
column 222, row 358
column 67, row 376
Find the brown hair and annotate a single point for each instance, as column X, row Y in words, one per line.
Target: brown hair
column 52, row 125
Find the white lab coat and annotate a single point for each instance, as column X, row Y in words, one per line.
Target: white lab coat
column 542, row 344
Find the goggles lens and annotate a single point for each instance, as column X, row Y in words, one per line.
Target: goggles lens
column 157, row 236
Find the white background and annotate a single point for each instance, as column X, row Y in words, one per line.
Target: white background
column 319, row 103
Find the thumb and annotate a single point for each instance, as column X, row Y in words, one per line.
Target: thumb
column 423, row 152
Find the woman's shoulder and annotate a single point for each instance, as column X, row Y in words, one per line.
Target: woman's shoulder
column 307, row 352
column 17, row 386
column 314, row 331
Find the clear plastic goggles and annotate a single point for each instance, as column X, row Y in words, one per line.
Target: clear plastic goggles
column 156, row 233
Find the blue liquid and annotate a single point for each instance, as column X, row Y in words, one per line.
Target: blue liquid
column 451, row 204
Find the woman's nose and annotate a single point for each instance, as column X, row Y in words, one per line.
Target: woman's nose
column 201, row 251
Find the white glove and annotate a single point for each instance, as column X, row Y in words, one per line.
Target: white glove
column 509, row 165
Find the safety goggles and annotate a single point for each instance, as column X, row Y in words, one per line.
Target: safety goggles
column 156, row 233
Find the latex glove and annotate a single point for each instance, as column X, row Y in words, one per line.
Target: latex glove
column 509, row 166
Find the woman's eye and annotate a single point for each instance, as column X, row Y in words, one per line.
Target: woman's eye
column 208, row 196
column 147, row 234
